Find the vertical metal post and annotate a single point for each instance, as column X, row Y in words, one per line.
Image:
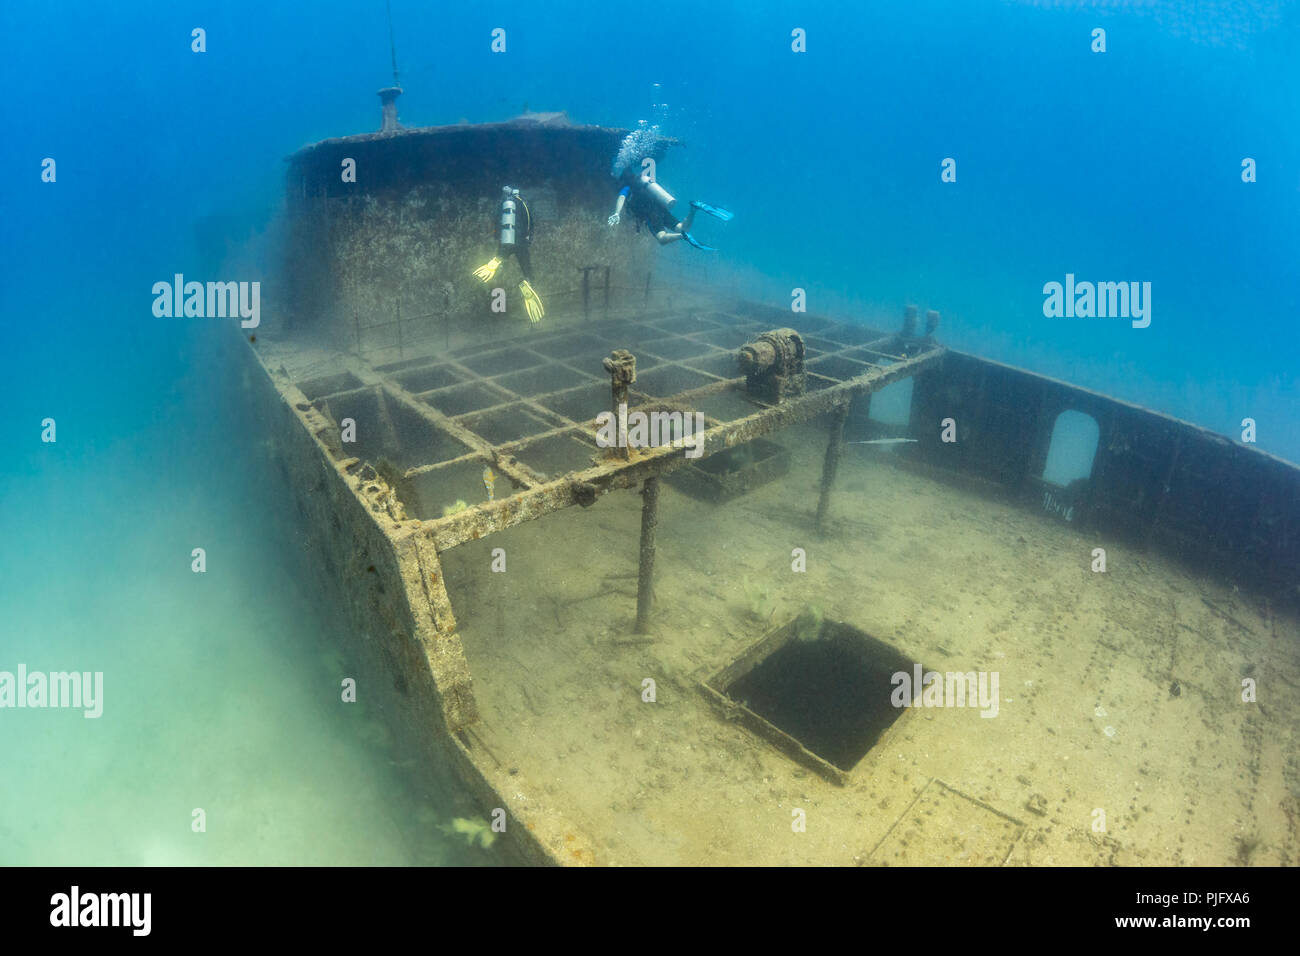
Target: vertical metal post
column 833, row 449
column 621, row 366
column 401, row 353
column 446, row 317
column 646, row 570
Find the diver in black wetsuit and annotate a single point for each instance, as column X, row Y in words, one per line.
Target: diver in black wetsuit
column 513, row 240
column 650, row 203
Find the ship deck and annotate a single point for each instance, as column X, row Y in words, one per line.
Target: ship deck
column 1101, row 675
column 1088, row 718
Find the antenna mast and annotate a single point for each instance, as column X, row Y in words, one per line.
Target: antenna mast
column 392, row 44
column 388, row 96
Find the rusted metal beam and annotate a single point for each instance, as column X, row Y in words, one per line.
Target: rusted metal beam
column 437, row 636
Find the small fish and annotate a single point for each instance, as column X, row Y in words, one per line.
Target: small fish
column 489, row 481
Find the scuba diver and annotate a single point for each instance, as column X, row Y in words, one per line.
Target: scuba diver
column 511, row 239
column 651, row 204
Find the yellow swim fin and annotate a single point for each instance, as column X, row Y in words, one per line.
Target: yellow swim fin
column 532, row 301
column 488, row 269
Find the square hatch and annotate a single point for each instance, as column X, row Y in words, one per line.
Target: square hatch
column 820, row 690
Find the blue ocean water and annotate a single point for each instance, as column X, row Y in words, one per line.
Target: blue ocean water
column 1117, row 166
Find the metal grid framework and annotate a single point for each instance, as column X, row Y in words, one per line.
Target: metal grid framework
column 527, row 407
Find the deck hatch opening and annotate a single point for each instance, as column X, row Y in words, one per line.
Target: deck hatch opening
column 317, row 388
column 823, row 686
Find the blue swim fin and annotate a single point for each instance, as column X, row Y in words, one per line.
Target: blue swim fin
column 698, row 245
column 718, row 211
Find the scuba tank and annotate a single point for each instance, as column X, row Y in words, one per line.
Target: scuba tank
column 508, row 215
column 660, row 194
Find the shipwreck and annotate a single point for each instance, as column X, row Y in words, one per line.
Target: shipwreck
column 617, row 646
